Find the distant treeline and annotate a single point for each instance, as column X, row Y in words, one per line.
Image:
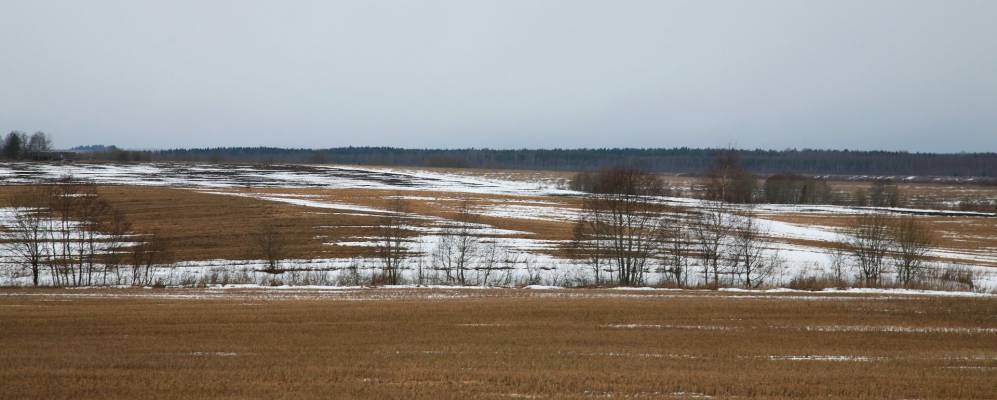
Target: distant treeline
column 676, row 160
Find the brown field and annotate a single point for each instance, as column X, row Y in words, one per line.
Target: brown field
column 443, row 344
column 183, row 216
column 201, row 225
column 959, row 233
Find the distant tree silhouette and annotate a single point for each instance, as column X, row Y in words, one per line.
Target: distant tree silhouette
column 13, row 145
column 728, row 180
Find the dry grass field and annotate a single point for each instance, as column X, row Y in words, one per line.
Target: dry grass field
column 492, row 344
column 201, row 226
column 204, row 225
column 960, row 233
column 183, row 216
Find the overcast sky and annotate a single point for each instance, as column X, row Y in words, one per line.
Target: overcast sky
column 895, row 75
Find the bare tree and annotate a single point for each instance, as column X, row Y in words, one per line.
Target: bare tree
column 27, row 237
column 147, row 258
column 885, row 193
column 269, row 244
column 458, row 245
column 38, row 144
column 420, row 265
column 711, row 229
column 70, row 228
column 911, row 241
column 587, row 244
column 748, row 261
column 63, row 199
column 90, row 211
column 490, row 257
column 728, row 181
column 621, row 222
column 391, row 243
column 869, row 245
column 117, row 227
column 676, row 253
column 838, row 258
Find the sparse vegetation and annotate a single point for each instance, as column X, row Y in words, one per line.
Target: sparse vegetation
column 458, row 248
column 797, row 189
column 443, row 344
column 870, row 245
column 269, row 244
column 392, row 240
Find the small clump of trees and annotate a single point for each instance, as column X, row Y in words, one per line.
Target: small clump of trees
column 878, row 242
column 18, row 145
column 625, row 231
column 796, row 189
column 882, row 193
column 269, row 244
column 392, row 246
column 457, row 249
column 728, row 181
column 622, row 224
column 69, row 232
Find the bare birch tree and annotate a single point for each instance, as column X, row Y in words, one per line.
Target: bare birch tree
column 391, row 245
column 869, row 246
column 676, row 253
column 147, row 258
column 490, row 258
column 118, row 228
column 90, row 211
column 269, row 244
column 838, row 259
column 621, row 222
column 29, row 234
column 588, row 245
column 711, row 229
column 458, row 245
column 748, row 261
column 63, row 199
column 911, row 241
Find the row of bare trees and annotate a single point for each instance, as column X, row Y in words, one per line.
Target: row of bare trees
column 463, row 247
column 726, row 179
column 878, row 242
column 70, row 231
column 626, row 229
column 624, row 232
column 463, row 255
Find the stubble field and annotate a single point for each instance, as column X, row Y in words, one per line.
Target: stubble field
column 493, row 343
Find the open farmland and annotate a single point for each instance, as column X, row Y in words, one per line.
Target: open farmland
column 466, row 199
column 207, row 213
column 493, row 343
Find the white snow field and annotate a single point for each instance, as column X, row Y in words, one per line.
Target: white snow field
column 513, row 257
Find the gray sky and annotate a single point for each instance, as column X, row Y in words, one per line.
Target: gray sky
column 896, row 75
